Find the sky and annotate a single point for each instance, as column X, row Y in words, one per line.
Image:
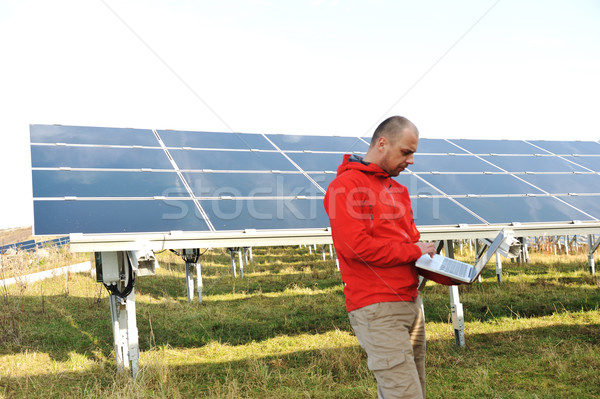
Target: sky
column 497, row 69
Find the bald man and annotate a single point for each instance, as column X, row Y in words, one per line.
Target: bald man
column 377, row 244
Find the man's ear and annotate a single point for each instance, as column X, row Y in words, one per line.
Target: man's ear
column 381, row 143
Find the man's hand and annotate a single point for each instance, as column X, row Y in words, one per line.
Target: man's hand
column 426, row 248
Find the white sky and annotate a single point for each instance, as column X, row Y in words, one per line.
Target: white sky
column 458, row 69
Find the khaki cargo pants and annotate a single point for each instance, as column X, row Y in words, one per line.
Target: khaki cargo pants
column 393, row 335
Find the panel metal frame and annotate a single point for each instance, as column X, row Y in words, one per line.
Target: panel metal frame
column 251, row 237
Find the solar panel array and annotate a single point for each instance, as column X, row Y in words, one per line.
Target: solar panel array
column 114, row 180
column 32, row 245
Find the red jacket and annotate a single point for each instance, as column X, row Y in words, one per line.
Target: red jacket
column 374, row 235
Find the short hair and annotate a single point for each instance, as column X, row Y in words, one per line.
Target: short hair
column 392, row 129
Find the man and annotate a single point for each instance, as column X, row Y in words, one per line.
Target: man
column 377, row 244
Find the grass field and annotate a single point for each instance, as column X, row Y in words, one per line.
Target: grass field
column 282, row 332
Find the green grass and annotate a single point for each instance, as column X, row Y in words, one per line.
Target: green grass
column 282, row 332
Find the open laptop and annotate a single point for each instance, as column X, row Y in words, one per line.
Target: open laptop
column 449, row 267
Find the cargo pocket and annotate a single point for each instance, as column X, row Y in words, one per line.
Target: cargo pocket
column 378, row 361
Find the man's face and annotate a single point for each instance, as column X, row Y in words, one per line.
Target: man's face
column 399, row 154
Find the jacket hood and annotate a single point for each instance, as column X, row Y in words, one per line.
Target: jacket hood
column 355, row 162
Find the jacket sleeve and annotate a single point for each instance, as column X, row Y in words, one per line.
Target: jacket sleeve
column 350, row 219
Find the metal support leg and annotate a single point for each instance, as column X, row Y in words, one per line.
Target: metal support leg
column 522, row 257
column 498, row 267
column 250, row 252
column 189, row 278
column 478, row 253
column 330, row 251
column 458, row 319
column 592, row 247
column 231, row 251
column 449, row 248
column 192, row 261
column 125, row 333
column 189, row 275
column 241, row 261
column 323, row 251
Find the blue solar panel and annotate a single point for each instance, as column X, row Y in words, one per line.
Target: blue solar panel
column 98, row 157
column 18, row 246
column 92, row 135
column 440, row 211
column 250, row 184
column 66, row 183
column 230, row 160
column 565, row 183
column 591, row 163
column 450, row 163
column 318, row 143
column 106, row 180
column 533, row 164
column 415, row 185
column 479, row 184
column 323, row 179
column 437, row 146
column 317, row 162
column 177, row 138
column 496, row 146
column 108, row 216
column 522, row 209
column 569, row 147
column 589, row 203
column 266, row 214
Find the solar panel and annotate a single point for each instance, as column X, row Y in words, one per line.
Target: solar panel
column 479, row 184
column 230, row 160
column 565, row 183
column 92, row 135
column 251, row 184
column 441, row 212
column 317, row 162
column 590, row 163
column 20, row 246
column 498, row 147
column 590, row 203
column 569, row 147
column 96, row 180
column 417, row 186
column 182, row 139
column 318, row 143
column 437, row 146
column 272, row 214
column 522, row 209
column 451, row 164
column 110, row 183
column 513, row 163
column 116, row 216
column 68, row 156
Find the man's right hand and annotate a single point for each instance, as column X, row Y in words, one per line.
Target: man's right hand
column 426, row 248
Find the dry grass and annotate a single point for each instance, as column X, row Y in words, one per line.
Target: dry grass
column 281, row 332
